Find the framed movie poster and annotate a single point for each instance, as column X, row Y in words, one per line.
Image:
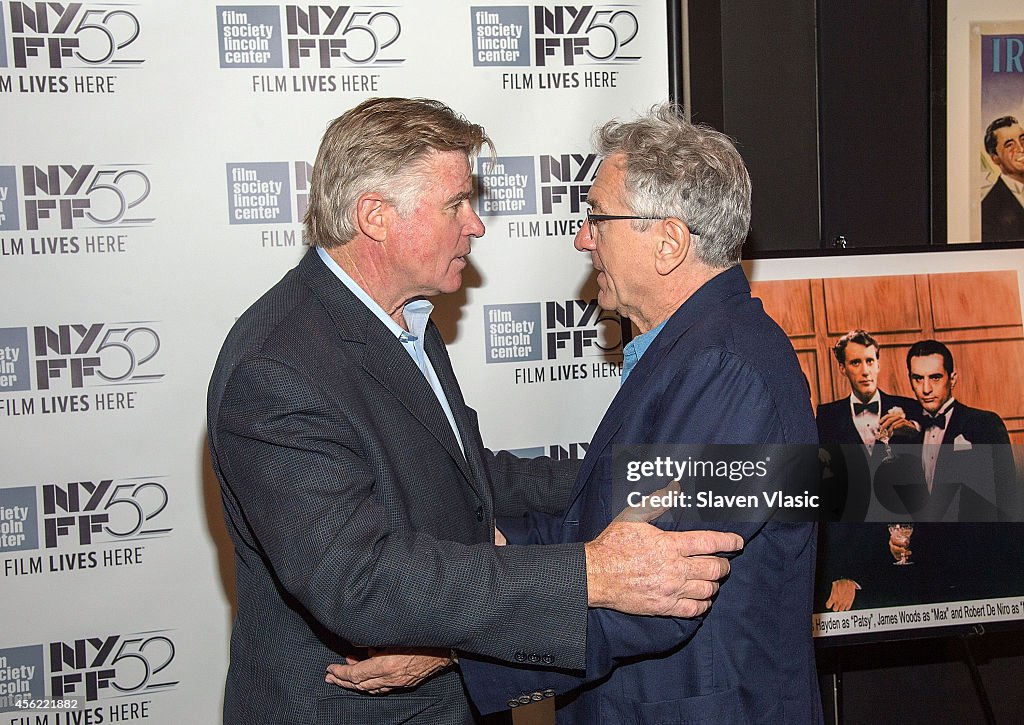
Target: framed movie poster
column 884, row 577
column 997, row 134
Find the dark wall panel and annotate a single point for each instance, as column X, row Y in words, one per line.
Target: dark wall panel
column 770, row 108
column 836, row 110
column 875, row 121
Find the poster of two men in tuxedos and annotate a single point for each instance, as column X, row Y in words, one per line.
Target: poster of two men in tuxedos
column 923, row 443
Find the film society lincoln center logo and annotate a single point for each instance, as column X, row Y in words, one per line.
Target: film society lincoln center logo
column 550, row 185
column 554, row 35
column 3, row 40
column 260, row 192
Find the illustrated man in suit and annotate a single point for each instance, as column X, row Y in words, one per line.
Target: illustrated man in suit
column 1002, row 209
column 960, row 443
column 971, row 477
column 669, row 210
column 356, row 488
column 855, row 557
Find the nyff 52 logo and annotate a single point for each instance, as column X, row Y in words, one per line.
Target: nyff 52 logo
column 80, row 355
column 91, row 668
column 64, row 196
column 115, row 665
column 88, row 512
column 561, row 35
column 73, row 35
column 559, row 452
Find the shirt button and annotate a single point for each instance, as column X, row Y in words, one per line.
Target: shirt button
column 548, row 659
column 520, row 656
column 534, row 657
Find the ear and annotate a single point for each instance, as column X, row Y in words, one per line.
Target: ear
column 371, row 216
column 673, row 246
column 952, row 380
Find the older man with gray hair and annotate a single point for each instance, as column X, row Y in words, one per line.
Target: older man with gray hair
column 669, row 211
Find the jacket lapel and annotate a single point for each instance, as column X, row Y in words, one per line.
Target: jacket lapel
column 609, row 425
column 953, row 429
column 470, row 462
column 727, row 284
column 850, row 432
column 385, row 360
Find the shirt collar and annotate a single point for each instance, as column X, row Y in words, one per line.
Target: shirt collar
column 946, row 407
column 726, row 284
column 1016, row 187
column 635, row 349
column 416, row 313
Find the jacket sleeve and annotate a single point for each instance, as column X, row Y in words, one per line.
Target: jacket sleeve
column 525, row 485
column 1009, row 500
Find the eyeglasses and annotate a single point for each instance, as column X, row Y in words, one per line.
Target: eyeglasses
column 593, row 218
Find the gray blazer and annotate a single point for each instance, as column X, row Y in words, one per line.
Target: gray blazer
column 356, row 519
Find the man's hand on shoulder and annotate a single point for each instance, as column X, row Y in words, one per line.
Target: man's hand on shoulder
column 384, row 670
column 637, row 568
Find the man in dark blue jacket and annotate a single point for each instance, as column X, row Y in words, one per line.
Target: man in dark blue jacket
column 669, row 211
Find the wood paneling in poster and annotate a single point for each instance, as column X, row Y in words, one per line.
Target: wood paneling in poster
column 977, row 314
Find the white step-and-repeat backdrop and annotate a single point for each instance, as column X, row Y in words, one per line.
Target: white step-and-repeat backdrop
column 153, row 172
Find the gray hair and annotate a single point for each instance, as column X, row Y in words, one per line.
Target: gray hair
column 674, row 168
column 381, row 145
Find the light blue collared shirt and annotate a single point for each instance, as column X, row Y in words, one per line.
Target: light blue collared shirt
column 417, row 315
column 635, row 350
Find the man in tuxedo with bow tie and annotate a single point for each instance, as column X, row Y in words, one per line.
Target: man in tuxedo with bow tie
column 959, row 442
column 858, row 417
column 971, row 477
column 855, row 557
